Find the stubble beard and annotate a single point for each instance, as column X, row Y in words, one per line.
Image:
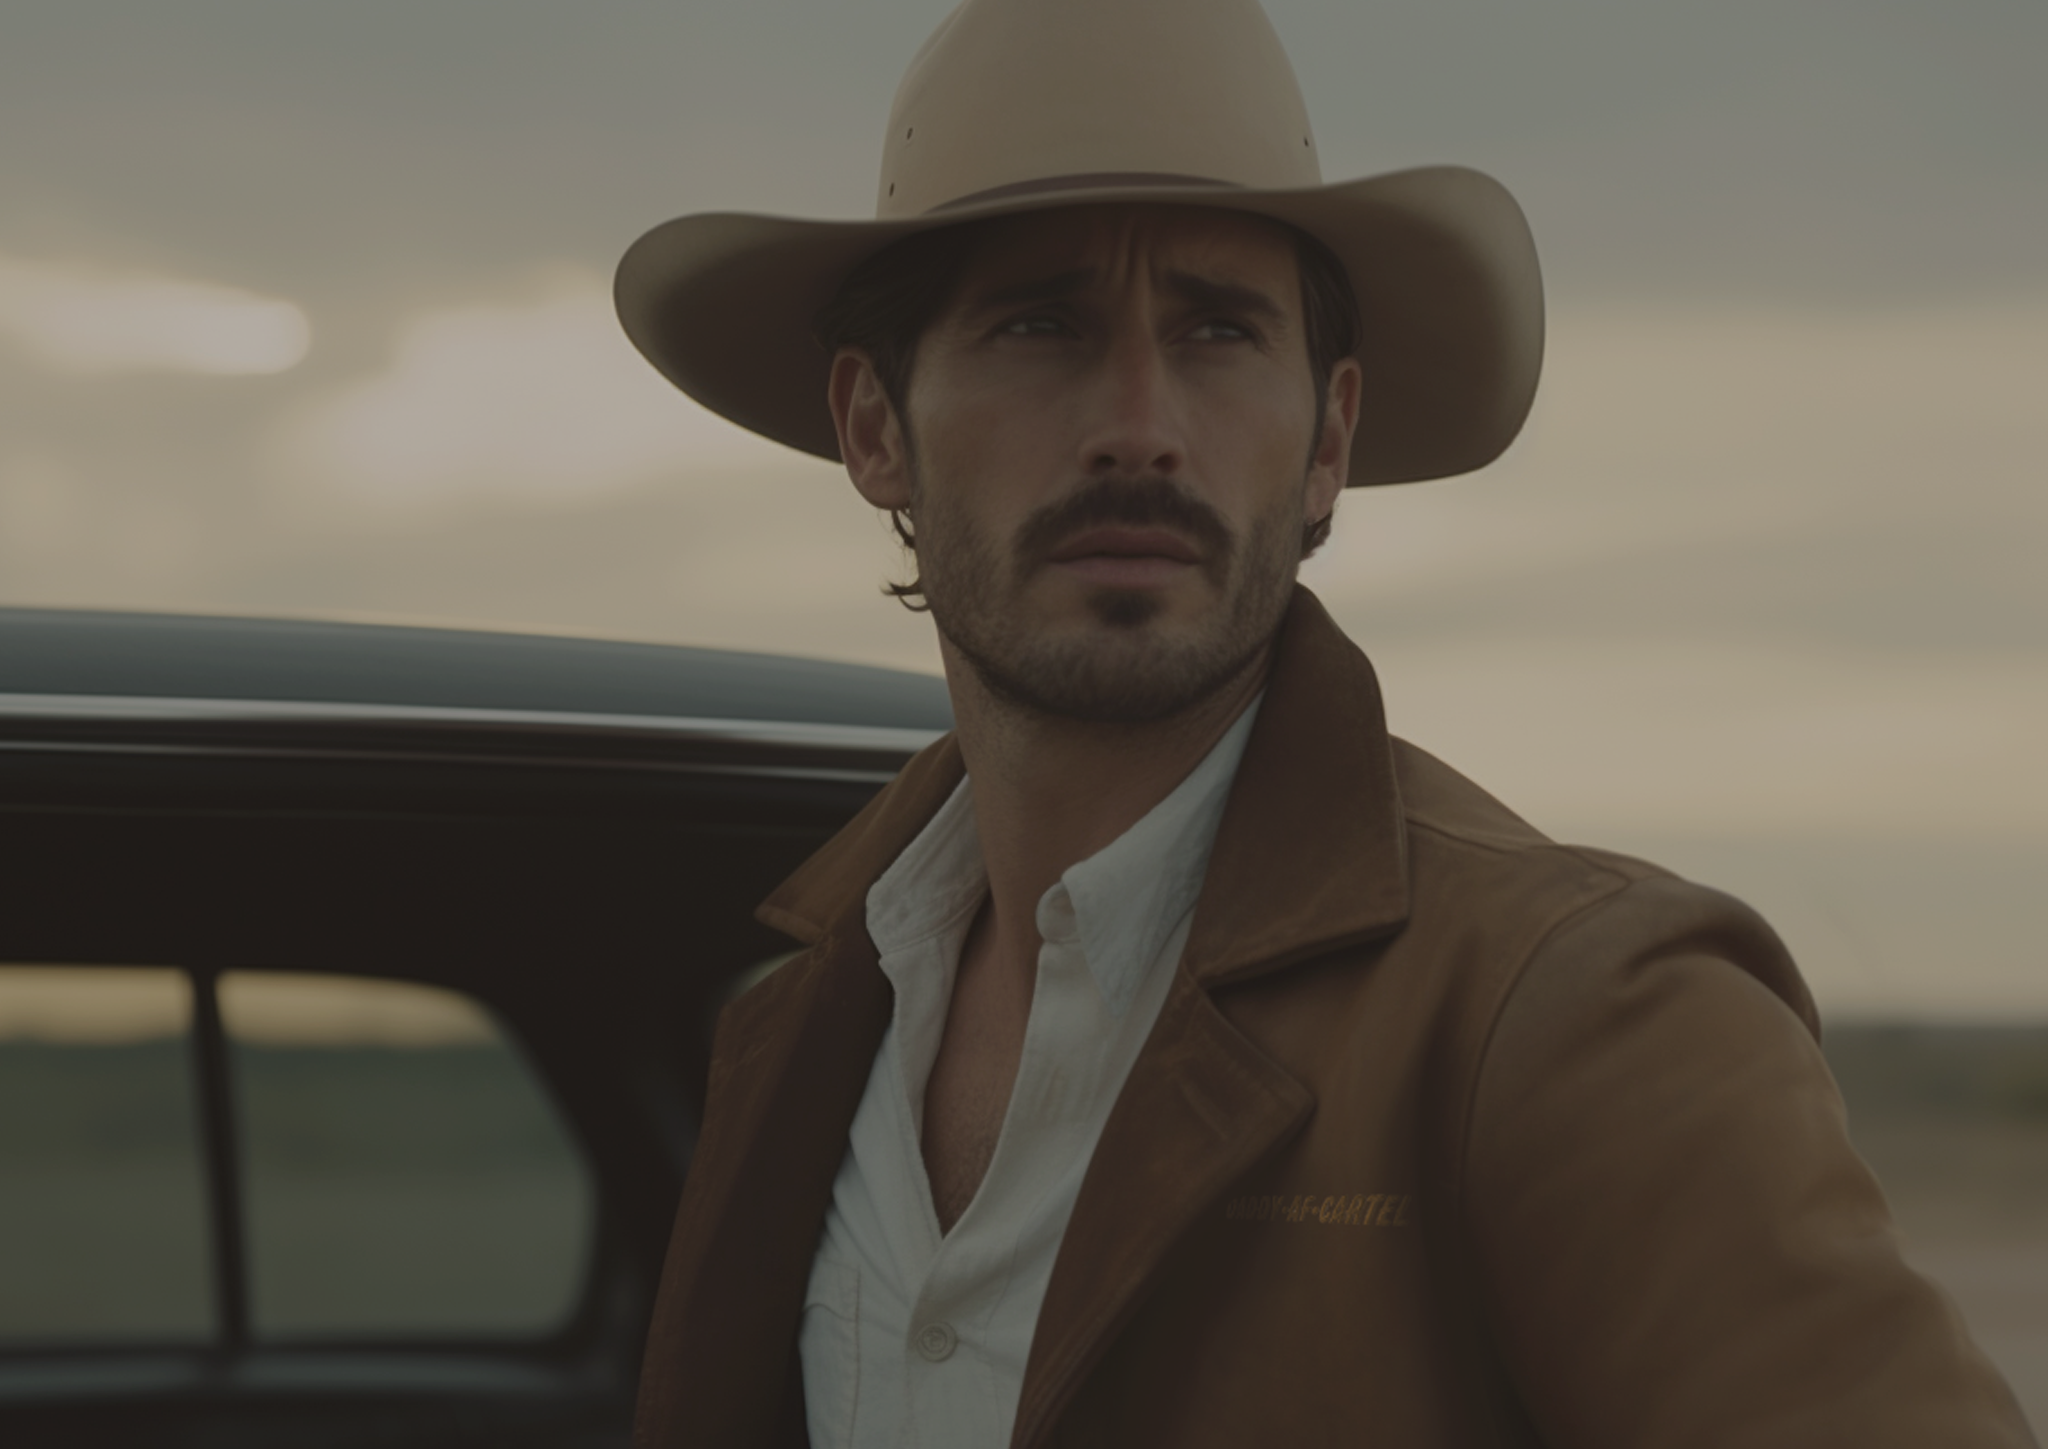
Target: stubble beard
column 1125, row 669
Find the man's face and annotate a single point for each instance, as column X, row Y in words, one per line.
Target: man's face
column 1111, row 451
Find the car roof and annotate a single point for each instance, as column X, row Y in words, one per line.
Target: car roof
column 89, row 653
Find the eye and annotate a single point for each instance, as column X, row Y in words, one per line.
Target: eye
column 1033, row 324
column 1222, row 329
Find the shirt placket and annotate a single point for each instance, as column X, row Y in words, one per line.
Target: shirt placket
column 948, row 1354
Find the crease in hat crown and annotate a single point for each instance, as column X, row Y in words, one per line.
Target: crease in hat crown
column 1008, row 93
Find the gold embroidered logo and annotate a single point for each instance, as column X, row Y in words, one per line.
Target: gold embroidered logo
column 1375, row 1210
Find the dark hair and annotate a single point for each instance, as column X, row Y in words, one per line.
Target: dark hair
column 886, row 303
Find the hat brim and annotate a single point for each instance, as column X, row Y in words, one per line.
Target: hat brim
column 1449, row 292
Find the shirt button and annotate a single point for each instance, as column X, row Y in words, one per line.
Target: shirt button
column 936, row 1341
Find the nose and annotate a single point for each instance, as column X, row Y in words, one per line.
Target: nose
column 1134, row 427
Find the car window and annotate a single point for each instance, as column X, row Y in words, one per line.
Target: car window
column 103, row 1212
column 404, row 1173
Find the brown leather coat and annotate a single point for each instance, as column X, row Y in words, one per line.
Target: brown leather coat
column 1447, row 1135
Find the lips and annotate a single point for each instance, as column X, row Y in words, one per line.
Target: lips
column 1126, row 543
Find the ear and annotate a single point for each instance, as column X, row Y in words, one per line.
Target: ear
column 1330, row 468
column 871, row 438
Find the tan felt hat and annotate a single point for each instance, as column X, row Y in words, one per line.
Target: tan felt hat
column 1020, row 105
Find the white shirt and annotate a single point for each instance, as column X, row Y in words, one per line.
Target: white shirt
column 914, row 1338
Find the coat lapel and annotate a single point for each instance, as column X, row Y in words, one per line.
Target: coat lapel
column 1310, row 856
column 1312, row 850
column 792, row 1059
column 1200, row 1107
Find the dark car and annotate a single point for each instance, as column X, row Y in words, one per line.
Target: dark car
column 356, row 988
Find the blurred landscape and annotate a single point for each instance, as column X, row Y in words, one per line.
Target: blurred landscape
column 391, row 1193
column 1954, row 1120
column 102, row 1201
column 408, row 1192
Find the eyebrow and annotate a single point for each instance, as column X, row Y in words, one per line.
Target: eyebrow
column 1037, row 289
column 1205, row 292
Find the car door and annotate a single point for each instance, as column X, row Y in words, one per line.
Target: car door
column 348, row 1073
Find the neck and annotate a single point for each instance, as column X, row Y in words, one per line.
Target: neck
column 1049, row 792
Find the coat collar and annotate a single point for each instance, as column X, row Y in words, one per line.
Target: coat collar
column 1316, row 787
column 1321, row 736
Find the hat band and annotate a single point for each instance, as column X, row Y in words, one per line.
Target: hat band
column 1083, row 181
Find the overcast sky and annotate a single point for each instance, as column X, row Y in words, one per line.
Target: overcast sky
column 303, row 310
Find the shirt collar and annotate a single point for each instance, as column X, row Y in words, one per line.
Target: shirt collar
column 1122, row 903
column 1118, row 907
column 935, row 886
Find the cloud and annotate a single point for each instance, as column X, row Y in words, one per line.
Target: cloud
column 82, row 320
column 1664, row 425
column 1739, row 738
column 541, row 398
column 1751, row 573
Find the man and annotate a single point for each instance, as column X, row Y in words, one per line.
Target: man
column 1176, row 1058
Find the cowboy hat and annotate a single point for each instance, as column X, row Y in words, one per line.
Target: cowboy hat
column 1020, row 105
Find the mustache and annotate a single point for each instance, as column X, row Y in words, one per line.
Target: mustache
column 1132, row 503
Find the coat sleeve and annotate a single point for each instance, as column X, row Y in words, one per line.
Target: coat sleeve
column 1678, row 1245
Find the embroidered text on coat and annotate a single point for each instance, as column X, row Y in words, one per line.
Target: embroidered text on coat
column 1374, row 1210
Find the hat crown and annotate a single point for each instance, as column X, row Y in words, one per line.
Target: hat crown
column 1009, row 95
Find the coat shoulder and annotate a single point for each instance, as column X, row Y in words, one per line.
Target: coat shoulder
column 1462, row 816
column 1437, row 798
column 1559, row 907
